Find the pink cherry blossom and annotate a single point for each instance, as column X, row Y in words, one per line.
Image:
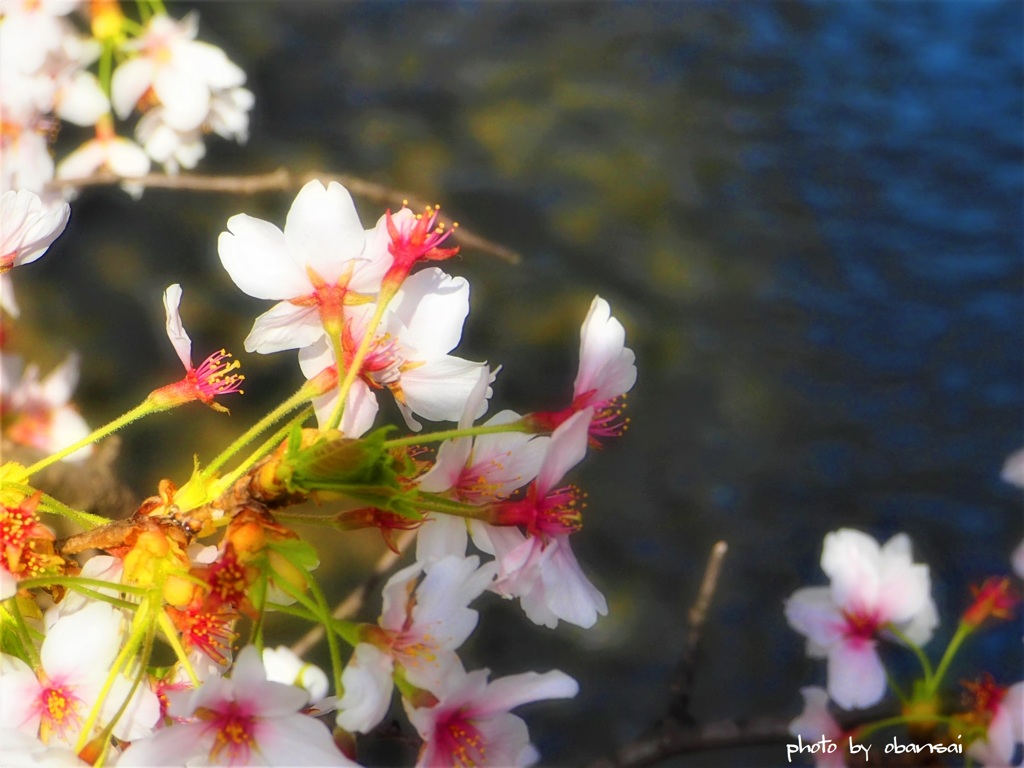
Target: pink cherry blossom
column 418, row 630
column 56, row 703
column 816, row 722
column 607, row 371
column 241, row 720
column 537, row 564
column 472, row 722
column 873, row 588
column 1004, row 710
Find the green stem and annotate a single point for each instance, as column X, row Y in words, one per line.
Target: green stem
column 916, row 649
column 266, row 447
column 962, row 631
column 866, row 730
column 451, row 434
column 303, row 395
column 52, row 506
column 142, row 409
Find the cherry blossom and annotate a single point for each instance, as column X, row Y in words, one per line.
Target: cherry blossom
column 27, row 228
column 539, row 566
column 242, row 720
column 107, row 151
column 40, row 412
column 56, row 703
column 418, row 630
column 214, row 375
column 320, row 264
column 873, row 589
column 472, row 722
column 182, row 73
column 607, row 371
column 816, row 722
column 1002, row 709
column 408, row 354
column 475, row 470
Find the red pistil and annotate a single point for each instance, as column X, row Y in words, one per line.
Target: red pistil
column 558, row 513
column 415, row 240
column 459, row 739
column 861, row 626
column 995, row 598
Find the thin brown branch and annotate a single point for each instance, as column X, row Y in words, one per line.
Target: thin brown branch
column 666, row 742
column 682, row 680
column 351, row 604
column 283, row 180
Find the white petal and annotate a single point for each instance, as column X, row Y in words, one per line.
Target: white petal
column 432, row 307
column 506, row 693
column 175, row 330
column 255, row 254
column 439, row 389
column 606, row 364
column 323, row 229
column 567, row 448
column 811, row 612
column 368, row 686
column 130, row 81
column 284, row 326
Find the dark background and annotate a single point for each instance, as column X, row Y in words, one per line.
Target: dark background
column 807, row 215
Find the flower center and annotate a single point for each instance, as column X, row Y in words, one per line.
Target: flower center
column 234, row 733
column 459, row 739
column 60, row 713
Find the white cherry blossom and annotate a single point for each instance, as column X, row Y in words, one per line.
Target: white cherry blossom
column 1005, row 727
column 27, row 227
column 322, row 262
column 475, row 470
column 41, row 412
column 56, row 704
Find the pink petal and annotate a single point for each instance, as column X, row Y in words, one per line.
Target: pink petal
column 856, row 677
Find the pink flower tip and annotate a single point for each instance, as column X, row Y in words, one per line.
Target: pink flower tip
column 414, row 238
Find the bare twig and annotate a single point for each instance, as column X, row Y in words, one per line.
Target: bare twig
column 351, row 604
column 666, row 742
column 682, row 680
column 677, row 732
column 283, row 180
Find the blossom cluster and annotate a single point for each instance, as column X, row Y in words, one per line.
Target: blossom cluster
column 121, row 94
column 880, row 599
column 162, row 609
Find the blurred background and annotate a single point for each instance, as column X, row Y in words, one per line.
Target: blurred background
column 807, row 215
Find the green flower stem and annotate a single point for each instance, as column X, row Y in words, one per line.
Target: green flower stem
column 890, row 722
column 141, row 626
column 926, row 666
column 70, row 582
column 52, row 506
column 962, row 631
column 321, row 610
column 266, row 447
column 145, row 408
column 171, row 636
column 302, row 396
column 451, row 434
